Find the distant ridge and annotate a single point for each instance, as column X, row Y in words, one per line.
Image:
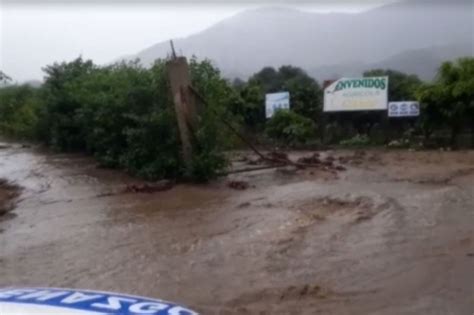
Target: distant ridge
column 412, row 36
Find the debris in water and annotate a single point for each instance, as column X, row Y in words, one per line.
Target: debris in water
column 278, row 155
column 106, row 194
column 288, row 170
column 312, row 159
column 243, row 158
column 327, row 163
column 149, row 188
column 254, row 162
column 330, row 159
column 8, row 195
column 355, row 159
column 244, row 205
column 239, row 185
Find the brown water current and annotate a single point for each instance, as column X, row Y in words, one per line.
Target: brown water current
column 392, row 234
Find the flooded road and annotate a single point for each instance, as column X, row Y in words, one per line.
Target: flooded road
column 393, row 234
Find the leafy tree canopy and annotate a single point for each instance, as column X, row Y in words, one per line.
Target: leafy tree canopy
column 401, row 86
column 450, row 99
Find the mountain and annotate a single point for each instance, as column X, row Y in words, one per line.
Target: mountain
column 410, row 35
column 423, row 62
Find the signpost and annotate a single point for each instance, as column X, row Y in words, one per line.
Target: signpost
column 404, row 109
column 276, row 101
column 356, row 94
column 184, row 104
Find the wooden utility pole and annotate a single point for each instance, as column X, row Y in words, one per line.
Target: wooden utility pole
column 324, row 115
column 184, row 103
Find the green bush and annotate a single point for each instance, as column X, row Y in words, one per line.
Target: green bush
column 19, row 105
column 290, row 128
column 123, row 114
column 208, row 160
column 357, row 140
column 448, row 102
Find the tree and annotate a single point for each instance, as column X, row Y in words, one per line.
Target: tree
column 450, row 99
column 4, row 79
column 238, row 83
column 61, row 90
column 290, row 128
column 19, row 106
column 252, row 108
column 305, row 92
column 268, row 78
column 401, row 86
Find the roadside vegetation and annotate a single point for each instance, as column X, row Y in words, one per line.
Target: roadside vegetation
column 123, row 114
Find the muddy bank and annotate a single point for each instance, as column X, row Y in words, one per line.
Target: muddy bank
column 391, row 234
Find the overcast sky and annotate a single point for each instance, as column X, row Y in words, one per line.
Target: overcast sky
column 35, row 33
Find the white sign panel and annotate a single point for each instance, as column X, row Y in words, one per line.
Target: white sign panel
column 276, row 101
column 351, row 94
column 403, row 109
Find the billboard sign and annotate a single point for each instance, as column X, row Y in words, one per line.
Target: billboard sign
column 404, row 109
column 276, row 101
column 352, row 94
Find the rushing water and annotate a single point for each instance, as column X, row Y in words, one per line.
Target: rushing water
column 393, row 235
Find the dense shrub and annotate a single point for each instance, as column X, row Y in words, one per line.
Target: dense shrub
column 290, row 128
column 122, row 114
column 19, row 106
column 449, row 101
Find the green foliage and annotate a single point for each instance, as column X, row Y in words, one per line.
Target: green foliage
column 19, row 106
column 4, row 79
column 219, row 95
column 251, row 106
column 401, row 86
column 449, row 101
column 357, row 140
column 305, row 94
column 62, row 92
column 208, row 160
column 290, row 128
column 123, row 114
column 212, row 136
column 269, row 79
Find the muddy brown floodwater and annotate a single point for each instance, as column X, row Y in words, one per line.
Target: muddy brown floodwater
column 392, row 234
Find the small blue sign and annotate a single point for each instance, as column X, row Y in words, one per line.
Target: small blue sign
column 69, row 301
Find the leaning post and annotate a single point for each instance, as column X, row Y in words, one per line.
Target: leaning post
column 184, row 103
